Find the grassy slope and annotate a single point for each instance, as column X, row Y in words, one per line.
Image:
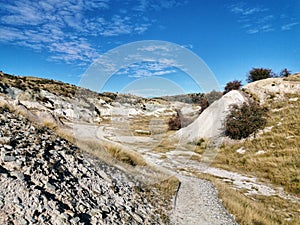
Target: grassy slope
column 279, row 165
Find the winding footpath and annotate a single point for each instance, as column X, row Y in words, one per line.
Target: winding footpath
column 197, row 203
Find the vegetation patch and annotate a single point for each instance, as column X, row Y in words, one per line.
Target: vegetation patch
column 245, row 120
column 274, row 154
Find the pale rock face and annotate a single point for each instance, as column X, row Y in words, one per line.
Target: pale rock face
column 241, row 150
column 275, row 87
column 33, row 105
column 46, row 180
column 14, row 92
column 190, row 111
column 209, row 124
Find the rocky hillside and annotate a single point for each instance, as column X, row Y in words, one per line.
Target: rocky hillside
column 274, row 89
column 54, row 102
column 46, row 180
column 54, row 167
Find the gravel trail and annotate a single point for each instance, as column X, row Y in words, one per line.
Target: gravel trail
column 197, row 203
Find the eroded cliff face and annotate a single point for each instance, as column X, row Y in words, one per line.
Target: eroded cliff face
column 44, row 179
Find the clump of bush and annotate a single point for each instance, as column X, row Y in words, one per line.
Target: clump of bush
column 174, row 123
column 233, row 85
column 178, row 121
column 213, row 96
column 245, row 119
column 203, row 104
column 19, row 84
column 285, row 73
column 259, row 74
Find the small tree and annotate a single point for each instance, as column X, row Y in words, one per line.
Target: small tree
column 233, row 85
column 259, row 74
column 245, row 120
column 284, row 73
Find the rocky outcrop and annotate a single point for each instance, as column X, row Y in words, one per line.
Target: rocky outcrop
column 210, row 122
column 274, row 88
column 46, row 180
column 52, row 102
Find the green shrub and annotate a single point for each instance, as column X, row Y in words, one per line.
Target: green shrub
column 203, row 104
column 285, row 73
column 259, row 74
column 179, row 121
column 245, row 120
column 174, row 123
column 213, row 96
column 233, row 85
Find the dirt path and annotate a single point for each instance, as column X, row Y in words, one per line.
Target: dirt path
column 197, row 203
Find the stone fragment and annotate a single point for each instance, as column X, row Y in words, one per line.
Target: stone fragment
column 8, row 158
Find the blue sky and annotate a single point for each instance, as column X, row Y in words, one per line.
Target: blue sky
column 61, row 39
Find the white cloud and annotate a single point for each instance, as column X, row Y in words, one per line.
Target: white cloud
column 156, row 5
column 253, row 19
column 244, row 9
column 252, row 31
column 164, row 72
column 142, row 28
column 189, row 46
column 288, row 26
column 152, row 48
column 258, row 19
column 66, row 28
column 148, row 69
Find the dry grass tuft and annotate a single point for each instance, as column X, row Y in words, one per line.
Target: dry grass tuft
column 168, row 186
column 295, row 77
column 126, row 156
column 280, row 162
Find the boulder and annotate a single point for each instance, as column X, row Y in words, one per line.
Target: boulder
column 209, row 124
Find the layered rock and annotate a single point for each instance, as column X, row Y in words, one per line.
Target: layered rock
column 46, row 180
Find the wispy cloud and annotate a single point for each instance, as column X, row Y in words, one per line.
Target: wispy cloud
column 53, row 26
column 148, row 69
column 153, row 48
column 146, row 5
column 259, row 19
column 67, row 29
column 242, row 9
column 253, row 19
column 288, row 26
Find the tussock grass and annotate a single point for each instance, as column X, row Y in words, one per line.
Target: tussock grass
column 168, row 186
column 165, row 146
column 280, row 163
column 295, row 77
column 104, row 150
column 5, row 106
column 154, row 125
column 126, row 156
column 199, row 146
column 131, row 162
